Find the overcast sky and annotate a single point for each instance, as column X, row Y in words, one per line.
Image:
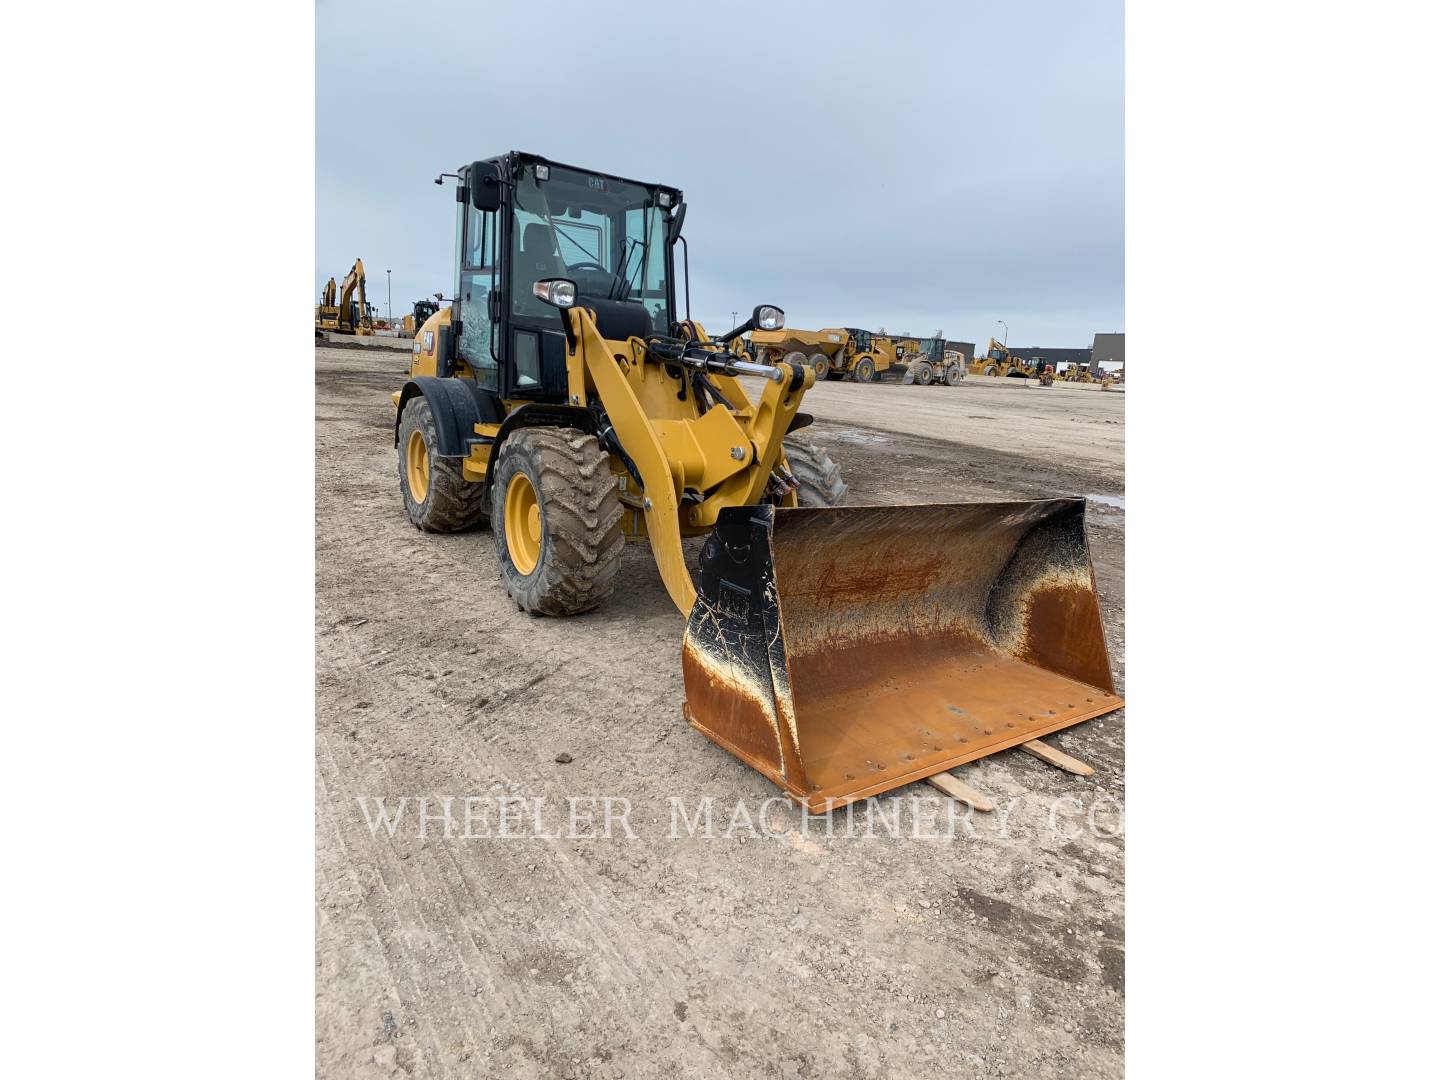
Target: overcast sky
column 916, row 167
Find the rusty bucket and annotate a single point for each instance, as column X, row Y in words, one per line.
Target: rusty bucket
column 844, row 652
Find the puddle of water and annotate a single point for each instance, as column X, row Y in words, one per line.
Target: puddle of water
column 1117, row 501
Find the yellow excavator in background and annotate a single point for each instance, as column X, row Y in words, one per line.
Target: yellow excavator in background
column 841, row 651
column 347, row 313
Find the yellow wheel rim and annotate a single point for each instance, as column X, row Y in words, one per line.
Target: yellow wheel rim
column 417, row 466
column 522, row 523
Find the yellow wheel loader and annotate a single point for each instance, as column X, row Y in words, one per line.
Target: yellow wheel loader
column 927, row 363
column 423, row 310
column 999, row 362
column 841, row 651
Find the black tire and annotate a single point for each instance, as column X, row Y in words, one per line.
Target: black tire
column 924, row 373
column 865, row 370
column 580, row 511
column 819, row 476
column 992, row 370
column 953, row 374
column 451, row 503
column 821, row 363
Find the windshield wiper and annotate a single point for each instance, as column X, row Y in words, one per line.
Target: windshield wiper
column 629, row 278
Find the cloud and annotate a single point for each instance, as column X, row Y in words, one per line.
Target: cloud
column 913, row 166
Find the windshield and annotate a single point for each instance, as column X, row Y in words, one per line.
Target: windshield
column 606, row 235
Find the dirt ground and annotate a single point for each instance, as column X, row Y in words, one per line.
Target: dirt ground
column 995, row 948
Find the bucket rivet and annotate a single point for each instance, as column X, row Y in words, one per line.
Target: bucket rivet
column 848, row 776
column 989, row 732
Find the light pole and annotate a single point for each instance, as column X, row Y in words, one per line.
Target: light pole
column 733, row 316
column 1006, row 339
column 389, row 314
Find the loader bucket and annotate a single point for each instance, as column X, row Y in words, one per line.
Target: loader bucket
column 844, row 652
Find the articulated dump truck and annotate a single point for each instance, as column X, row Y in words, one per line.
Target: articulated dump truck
column 842, row 651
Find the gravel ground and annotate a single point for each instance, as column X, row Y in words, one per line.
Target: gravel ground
column 774, row 951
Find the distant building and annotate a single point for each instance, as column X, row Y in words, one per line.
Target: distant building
column 1108, row 349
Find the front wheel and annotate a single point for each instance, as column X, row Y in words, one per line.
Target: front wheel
column 819, row 476
column 924, row 373
column 865, row 370
column 555, row 509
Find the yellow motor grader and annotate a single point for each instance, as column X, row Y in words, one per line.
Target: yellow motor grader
column 841, row 651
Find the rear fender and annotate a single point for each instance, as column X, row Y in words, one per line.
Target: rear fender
column 457, row 405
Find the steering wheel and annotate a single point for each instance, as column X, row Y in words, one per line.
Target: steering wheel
column 613, row 287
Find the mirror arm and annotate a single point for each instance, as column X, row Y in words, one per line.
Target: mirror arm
column 748, row 324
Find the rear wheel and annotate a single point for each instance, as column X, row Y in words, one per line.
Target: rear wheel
column 992, row 370
column 865, row 370
column 924, row 373
column 953, row 374
column 821, row 363
column 819, row 476
column 556, row 514
column 437, row 496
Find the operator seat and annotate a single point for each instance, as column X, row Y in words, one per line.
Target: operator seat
column 538, row 258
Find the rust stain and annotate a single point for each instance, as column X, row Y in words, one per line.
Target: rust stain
column 731, row 703
column 906, row 640
column 1063, row 633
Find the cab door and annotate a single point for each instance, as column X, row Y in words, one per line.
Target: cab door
column 478, row 343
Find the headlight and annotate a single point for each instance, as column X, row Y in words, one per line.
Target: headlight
column 559, row 292
column 768, row 317
column 665, row 200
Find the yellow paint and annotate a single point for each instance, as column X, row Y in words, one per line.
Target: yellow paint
column 522, row 523
column 417, row 466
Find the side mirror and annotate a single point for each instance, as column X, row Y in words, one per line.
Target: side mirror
column 677, row 222
column 483, row 181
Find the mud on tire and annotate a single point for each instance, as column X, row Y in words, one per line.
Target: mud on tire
column 451, row 503
column 580, row 513
column 819, row 476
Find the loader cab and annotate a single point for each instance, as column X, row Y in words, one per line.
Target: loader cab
column 521, row 219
